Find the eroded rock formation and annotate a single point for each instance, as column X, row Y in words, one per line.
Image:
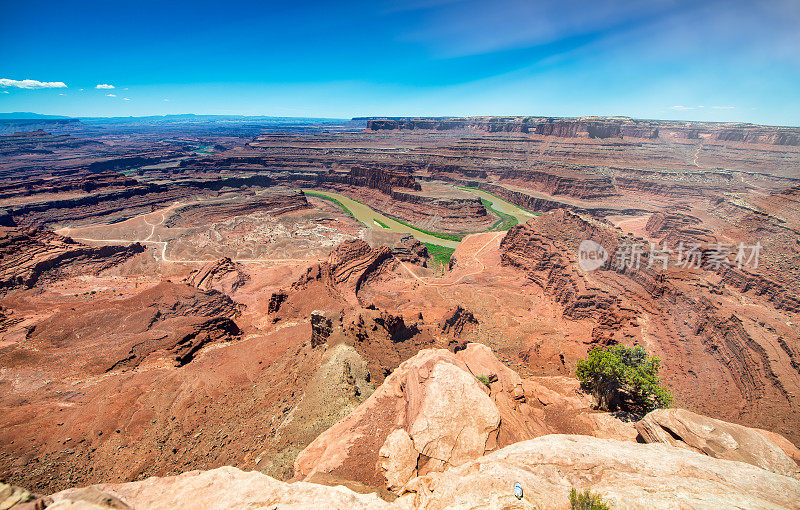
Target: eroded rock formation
column 719, row 439
column 349, row 265
column 433, row 413
column 169, row 322
column 691, row 321
column 222, row 275
column 28, row 254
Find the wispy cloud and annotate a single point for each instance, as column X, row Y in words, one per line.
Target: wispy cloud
column 723, row 107
column 681, row 108
column 126, row 98
column 5, row 92
column 111, row 95
column 104, row 86
column 165, row 99
column 32, row 84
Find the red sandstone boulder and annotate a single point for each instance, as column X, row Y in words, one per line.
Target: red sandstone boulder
column 434, row 413
column 719, row 439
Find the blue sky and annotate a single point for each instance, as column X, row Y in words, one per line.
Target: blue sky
column 724, row 60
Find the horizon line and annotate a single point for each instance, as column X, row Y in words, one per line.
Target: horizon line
column 46, row 116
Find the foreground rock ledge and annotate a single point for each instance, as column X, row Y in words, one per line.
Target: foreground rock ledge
column 626, row 474
column 720, row 439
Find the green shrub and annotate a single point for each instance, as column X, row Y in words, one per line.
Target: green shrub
column 484, row 379
column 586, row 500
column 623, row 378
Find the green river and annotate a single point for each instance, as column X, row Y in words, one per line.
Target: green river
column 376, row 220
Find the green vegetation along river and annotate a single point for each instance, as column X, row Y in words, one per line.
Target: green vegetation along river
column 501, row 205
column 376, row 220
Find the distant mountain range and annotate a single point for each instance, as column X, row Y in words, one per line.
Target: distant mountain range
column 29, row 115
column 174, row 117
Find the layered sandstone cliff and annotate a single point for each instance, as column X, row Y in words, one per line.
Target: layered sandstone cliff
column 685, row 315
column 27, row 255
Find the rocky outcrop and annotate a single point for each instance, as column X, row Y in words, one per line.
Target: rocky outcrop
column 668, row 189
column 690, row 322
column 275, row 201
column 222, row 275
column 28, row 255
column 321, row 328
column 625, row 474
column 595, row 127
column 383, row 339
column 458, row 322
column 586, row 127
column 12, row 496
column 433, row 413
column 349, row 265
column 758, row 134
column 275, row 301
column 777, row 289
column 411, row 124
column 579, row 129
column 169, row 322
column 225, row 487
column 384, row 177
column 639, row 129
column 673, row 227
column 404, row 247
column 718, row 439
column 540, row 249
column 549, row 181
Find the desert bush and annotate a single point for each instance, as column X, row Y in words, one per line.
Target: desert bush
column 484, row 379
column 623, row 378
column 586, row 500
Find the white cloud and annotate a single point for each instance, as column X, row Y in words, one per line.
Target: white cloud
column 62, row 94
column 32, row 84
column 165, row 99
column 111, row 95
column 104, row 86
column 126, row 98
column 724, row 107
column 681, row 108
column 5, row 92
column 701, row 106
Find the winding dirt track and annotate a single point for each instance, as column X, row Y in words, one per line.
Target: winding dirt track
column 163, row 244
column 448, row 284
column 163, row 255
